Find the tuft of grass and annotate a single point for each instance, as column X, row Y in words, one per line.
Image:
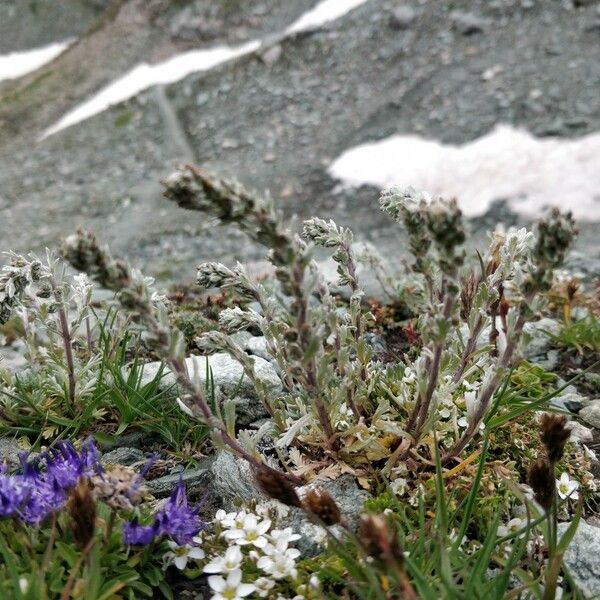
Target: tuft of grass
column 582, row 336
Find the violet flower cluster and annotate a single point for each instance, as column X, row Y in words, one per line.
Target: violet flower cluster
column 176, row 519
column 44, row 484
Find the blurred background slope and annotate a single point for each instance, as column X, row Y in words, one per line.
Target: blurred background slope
column 275, row 118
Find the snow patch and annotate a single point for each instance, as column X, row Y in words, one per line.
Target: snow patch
column 507, row 163
column 145, row 76
column 17, row 64
column 176, row 68
column 322, row 13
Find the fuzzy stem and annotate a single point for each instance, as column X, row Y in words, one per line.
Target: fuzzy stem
column 419, row 415
column 88, row 333
column 487, row 393
column 301, row 305
column 66, row 593
column 469, row 349
column 66, row 337
column 178, row 367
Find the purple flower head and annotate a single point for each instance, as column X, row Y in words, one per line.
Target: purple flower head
column 175, row 519
column 135, row 534
column 45, row 498
column 47, row 479
column 14, row 493
column 66, row 466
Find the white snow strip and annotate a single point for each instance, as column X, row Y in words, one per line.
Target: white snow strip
column 17, row 64
column 176, row 68
column 322, row 13
column 507, row 163
column 145, row 76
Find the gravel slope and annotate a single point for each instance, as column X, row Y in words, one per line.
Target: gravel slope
column 276, row 119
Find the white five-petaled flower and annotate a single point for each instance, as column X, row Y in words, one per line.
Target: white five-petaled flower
column 232, row 520
column 82, row 290
column 225, row 564
column 263, row 586
column 23, row 585
column 180, row 555
column 184, row 407
column 512, row 526
column 567, row 487
column 283, row 536
column 231, row 588
column 471, row 387
column 249, row 531
column 398, row 486
column 589, row 453
column 409, row 376
column 279, row 561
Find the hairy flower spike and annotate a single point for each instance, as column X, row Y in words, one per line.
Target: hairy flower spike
column 380, row 539
column 555, row 236
column 326, row 233
column 15, row 278
column 82, row 510
column 321, row 504
column 409, row 207
column 83, row 251
column 555, row 435
column 213, row 274
column 236, row 319
column 277, row 487
column 542, row 481
column 197, row 189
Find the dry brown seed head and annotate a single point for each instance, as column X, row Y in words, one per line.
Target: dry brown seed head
column 555, row 435
column 380, row 539
column 321, row 503
column 276, row 486
column 120, row 488
column 543, row 483
column 82, row 509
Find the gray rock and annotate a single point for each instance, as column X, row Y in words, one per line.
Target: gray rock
column 123, row 456
column 580, row 433
column 197, row 481
column 257, row 346
column 271, row 55
column 586, row 266
column 569, row 399
column 402, row 17
column 229, row 379
column 9, row 452
column 377, row 342
column 241, row 337
column 232, row 480
column 467, row 23
column 12, row 358
column 582, row 558
column 591, row 413
column 247, row 410
column 538, row 342
column 549, row 361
